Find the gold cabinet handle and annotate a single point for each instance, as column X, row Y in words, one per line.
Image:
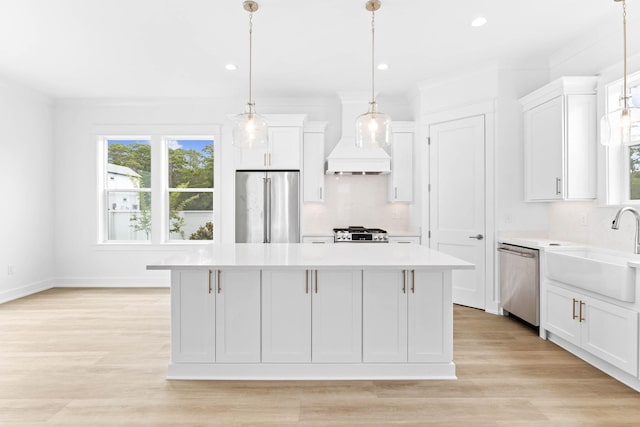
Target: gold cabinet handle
column 396, row 192
column 219, row 283
column 581, row 318
column 306, row 285
column 269, row 159
column 320, row 193
column 413, row 281
column 264, row 159
column 573, row 309
column 316, row 281
column 404, row 281
column 210, row 281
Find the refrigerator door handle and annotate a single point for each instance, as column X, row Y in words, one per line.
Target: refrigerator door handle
column 265, row 210
column 268, row 211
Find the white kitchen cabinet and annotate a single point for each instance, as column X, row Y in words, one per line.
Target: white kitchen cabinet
column 603, row 329
column 384, row 314
column 284, row 150
column 404, row 319
column 313, row 162
column 238, row 316
column 400, row 181
column 286, row 316
column 336, row 316
column 560, row 130
column 404, row 239
column 428, row 317
column 193, row 310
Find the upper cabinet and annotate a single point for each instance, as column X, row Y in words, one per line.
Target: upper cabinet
column 313, row 162
column 400, row 182
column 560, row 131
column 284, row 150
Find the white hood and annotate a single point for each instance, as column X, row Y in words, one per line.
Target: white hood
column 346, row 157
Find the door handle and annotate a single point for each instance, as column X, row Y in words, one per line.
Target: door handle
column 307, row 281
column 219, row 283
column 404, row 281
column 558, row 189
column 209, row 281
column 573, row 306
column 413, row 281
column 316, row 281
column 477, row 236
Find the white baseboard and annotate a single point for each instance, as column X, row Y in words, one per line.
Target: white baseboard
column 112, row 282
column 23, row 291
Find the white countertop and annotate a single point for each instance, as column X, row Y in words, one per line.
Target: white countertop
column 301, row 255
column 537, row 242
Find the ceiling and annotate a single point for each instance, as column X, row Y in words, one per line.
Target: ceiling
column 178, row 48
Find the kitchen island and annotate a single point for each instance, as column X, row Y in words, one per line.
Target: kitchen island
column 304, row 311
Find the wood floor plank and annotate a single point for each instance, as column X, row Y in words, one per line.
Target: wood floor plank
column 79, row 357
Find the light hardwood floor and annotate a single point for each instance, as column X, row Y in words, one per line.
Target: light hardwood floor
column 99, row 356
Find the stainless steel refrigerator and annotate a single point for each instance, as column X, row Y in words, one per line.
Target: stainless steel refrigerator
column 267, row 206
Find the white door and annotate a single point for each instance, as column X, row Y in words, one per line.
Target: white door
column 337, row 316
column 192, row 316
column 238, row 317
column 286, row 316
column 285, row 143
column 384, row 316
column 457, row 202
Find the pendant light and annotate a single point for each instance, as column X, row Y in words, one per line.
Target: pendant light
column 623, row 124
column 250, row 130
column 373, row 127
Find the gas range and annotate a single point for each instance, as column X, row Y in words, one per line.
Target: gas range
column 358, row 234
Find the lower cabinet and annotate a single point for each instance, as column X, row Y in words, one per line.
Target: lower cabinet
column 404, row 317
column 237, row 323
column 336, row 321
column 193, row 335
column 605, row 330
column 311, row 316
column 286, row 316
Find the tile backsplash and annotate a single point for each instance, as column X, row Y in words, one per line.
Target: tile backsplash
column 356, row 200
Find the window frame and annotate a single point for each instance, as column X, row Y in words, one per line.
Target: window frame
column 617, row 179
column 167, row 190
column 156, row 134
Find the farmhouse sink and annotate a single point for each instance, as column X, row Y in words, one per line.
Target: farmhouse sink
column 594, row 270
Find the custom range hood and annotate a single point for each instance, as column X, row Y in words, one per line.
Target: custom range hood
column 346, row 158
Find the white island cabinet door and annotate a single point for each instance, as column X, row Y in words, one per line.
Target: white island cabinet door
column 286, row 316
column 193, row 316
column 430, row 316
column 337, row 316
column 384, row 316
column 238, row 317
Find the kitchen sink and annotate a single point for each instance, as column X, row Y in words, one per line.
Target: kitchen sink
column 602, row 272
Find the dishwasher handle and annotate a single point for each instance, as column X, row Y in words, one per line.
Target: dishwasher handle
column 518, row 253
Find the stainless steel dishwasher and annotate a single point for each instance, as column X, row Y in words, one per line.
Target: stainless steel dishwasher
column 520, row 282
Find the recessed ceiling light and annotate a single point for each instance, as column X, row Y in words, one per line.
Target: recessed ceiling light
column 479, row 21
column 383, row 66
column 230, row 67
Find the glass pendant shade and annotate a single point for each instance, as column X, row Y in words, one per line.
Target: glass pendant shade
column 250, row 130
column 621, row 126
column 373, row 129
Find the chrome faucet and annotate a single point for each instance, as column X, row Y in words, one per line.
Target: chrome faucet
column 616, row 224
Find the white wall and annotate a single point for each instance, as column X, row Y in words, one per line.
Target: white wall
column 27, row 187
column 80, row 260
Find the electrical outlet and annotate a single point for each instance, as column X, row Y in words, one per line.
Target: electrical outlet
column 10, row 270
column 584, row 219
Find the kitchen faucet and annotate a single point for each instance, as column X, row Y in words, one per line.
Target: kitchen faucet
column 616, row 224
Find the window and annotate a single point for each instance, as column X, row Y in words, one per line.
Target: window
column 190, row 189
column 128, row 189
column 157, row 188
column 623, row 162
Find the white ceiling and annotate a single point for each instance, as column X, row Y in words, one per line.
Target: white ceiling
column 178, row 48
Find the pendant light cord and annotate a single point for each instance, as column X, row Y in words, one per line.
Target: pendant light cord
column 373, row 62
column 250, row 56
column 624, row 27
